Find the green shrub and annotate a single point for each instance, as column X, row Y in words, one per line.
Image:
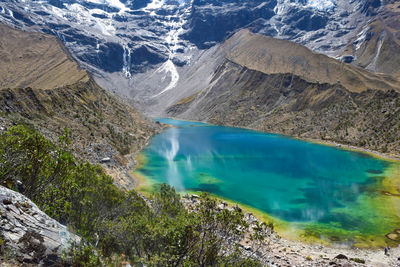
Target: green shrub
column 82, row 256
column 114, row 222
column 358, row 260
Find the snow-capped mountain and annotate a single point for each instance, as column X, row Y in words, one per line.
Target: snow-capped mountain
column 119, row 40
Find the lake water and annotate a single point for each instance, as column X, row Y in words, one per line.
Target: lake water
column 322, row 191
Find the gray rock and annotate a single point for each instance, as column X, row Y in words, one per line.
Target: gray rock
column 34, row 239
column 105, row 160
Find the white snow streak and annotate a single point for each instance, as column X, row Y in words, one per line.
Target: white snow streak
column 361, row 38
column 169, row 67
column 10, row 13
column 126, row 69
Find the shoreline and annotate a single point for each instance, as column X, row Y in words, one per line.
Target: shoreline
column 297, row 231
column 284, row 249
column 308, row 246
column 286, row 252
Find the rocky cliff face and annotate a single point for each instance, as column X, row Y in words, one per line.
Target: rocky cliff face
column 266, row 84
column 30, row 236
column 102, row 126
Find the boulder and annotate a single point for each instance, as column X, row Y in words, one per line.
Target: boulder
column 105, row 160
column 341, row 257
column 31, row 235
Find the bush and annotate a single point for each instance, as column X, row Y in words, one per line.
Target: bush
column 82, row 256
column 72, row 192
column 114, row 222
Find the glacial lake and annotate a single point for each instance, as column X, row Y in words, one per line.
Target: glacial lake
column 310, row 191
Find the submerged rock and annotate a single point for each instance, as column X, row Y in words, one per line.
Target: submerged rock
column 31, row 235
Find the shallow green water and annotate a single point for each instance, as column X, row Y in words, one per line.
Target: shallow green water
column 327, row 191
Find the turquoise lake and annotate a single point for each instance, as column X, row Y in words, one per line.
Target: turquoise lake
column 302, row 183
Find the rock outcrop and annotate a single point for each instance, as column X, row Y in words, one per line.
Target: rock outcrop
column 30, row 236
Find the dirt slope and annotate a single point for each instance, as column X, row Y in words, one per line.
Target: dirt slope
column 35, row 60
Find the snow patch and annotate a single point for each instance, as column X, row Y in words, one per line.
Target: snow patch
column 155, row 4
column 113, row 3
column 10, row 13
column 168, row 67
column 361, row 38
column 322, row 5
column 98, row 11
column 57, row 12
column 116, row 3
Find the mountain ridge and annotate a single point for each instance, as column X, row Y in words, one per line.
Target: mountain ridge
column 247, row 49
column 243, row 94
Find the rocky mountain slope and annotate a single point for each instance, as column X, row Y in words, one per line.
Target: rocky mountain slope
column 278, row 86
column 137, row 48
column 103, row 128
column 377, row 46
